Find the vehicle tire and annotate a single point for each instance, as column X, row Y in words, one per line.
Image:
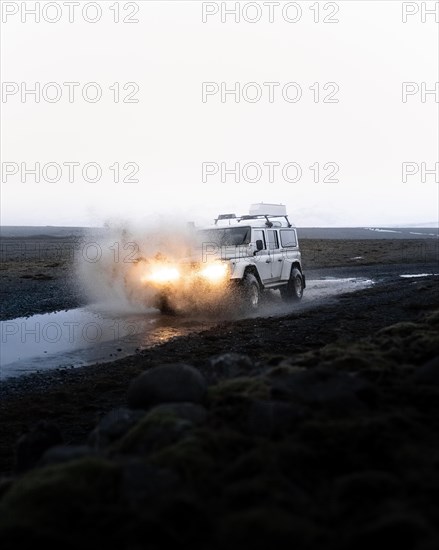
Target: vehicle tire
column 163, row 304
column 293, row 290
column 250, row 293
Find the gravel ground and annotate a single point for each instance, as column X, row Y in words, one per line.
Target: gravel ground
column 37, row 276
column 318, row 427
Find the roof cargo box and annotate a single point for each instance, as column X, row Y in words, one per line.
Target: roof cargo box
column 266, row 209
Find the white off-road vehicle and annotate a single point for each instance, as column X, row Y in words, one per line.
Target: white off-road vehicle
column 238, row 257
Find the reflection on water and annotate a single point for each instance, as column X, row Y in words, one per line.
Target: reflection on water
column 416, row 275
column 316, row 292
column 84, row 336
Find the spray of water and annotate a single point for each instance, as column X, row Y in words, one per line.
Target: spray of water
column 119, row 268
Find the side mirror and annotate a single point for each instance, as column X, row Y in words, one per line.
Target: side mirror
column 259, row 245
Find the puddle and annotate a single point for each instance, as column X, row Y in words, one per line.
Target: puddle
column 334, row 285
column 83, row 336
column 316, row 291
column 379, row 230
column 415, row 275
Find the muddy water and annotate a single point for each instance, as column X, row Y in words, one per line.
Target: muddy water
column 79, row 337
column 84, row 336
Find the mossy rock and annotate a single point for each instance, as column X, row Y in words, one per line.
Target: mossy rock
column 203, row 456
column 353, row 356
column 156, row 430
column 273, row 360
column 286, row 368
column 263, row 526
column 300, row 361
column 423, row 346
column 401, row 329
column 63, row 504
column 393, row 347
column 243, row 387
column 269, row 488
column 433, row 318
column 352, row 359
column 189, row 458
column 403, row 530
column 262, row 457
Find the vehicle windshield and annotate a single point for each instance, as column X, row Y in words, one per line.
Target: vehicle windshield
column 224, row 236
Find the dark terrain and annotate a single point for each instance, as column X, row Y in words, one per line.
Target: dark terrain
column 317, row 429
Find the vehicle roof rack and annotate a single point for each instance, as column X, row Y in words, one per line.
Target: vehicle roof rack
column 268, row 223
column 225, row 217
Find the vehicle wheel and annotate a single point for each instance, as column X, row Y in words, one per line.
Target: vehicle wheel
column 251, row 293
column 293, row 290
column 163, row 304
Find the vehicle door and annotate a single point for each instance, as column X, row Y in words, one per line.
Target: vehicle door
column 261, row 258
column 290, row 250
column 276, row 259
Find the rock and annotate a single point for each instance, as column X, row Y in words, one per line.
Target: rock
column 270, row 418
column 239, row 388
column 262, row 526
column 403, row 329
column 32, row 445
column 61, row 505
column 428, row 373
column 5, row 484
column 195, row 456
column 232, row 403
column 323, row 387
column 196, row 414
column 65, row 453
column 230, row 365
column 251, row 464
column 362, row 492
column 286, row 367
column 402, row 531
column 265, row 487
column 173, row 383
column 433, row 318
column 142, row 483
column 114, row 425
column 155, row 431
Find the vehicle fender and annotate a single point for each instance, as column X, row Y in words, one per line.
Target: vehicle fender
column 286, row 270
column 237, row 268
column 288, row 266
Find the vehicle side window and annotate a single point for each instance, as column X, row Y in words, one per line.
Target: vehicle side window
column 258, row 234
column 273, row 241
column 288, row 238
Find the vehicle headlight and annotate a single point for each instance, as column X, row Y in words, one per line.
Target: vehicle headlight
column 215, row 272
column 162, row 275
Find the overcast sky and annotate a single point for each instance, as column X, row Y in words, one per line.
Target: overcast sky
column 356, row 143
